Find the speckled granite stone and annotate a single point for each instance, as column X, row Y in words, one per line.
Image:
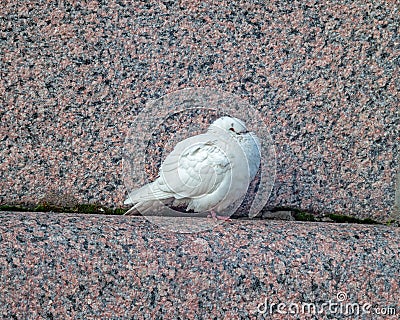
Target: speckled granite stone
column 55, row 266
column 324, row 74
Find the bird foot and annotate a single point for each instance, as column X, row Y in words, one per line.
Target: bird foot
column 216, row 217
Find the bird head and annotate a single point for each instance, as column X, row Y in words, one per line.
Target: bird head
column 231, row 125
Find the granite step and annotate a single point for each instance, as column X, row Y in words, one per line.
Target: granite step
column 73, row 266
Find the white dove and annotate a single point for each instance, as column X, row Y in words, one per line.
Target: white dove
column 208, row 172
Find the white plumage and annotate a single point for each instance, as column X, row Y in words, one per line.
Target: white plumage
column 208, row 172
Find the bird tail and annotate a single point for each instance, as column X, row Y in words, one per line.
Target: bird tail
column 146, row 198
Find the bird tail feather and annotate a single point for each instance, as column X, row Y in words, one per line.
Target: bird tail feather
column 140, row 207
column 146, row 197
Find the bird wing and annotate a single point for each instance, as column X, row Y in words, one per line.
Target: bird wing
column 196, row 167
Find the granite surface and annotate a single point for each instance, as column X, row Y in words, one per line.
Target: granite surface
column 324, row 75
column 59, row 266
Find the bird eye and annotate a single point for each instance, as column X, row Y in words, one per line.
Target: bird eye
column 232, row 129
